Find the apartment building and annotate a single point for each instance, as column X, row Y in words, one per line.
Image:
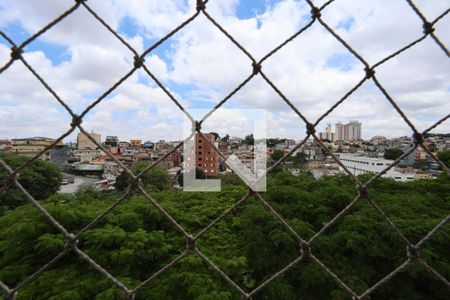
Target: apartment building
column 31, row 146
column 206, row 156
column 112, row 141
column 327, row 135
column 84, row 143
column 348, row 132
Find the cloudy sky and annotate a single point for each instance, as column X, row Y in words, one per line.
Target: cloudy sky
column 80, row 60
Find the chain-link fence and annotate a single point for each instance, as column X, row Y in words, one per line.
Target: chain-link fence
column 412, row 250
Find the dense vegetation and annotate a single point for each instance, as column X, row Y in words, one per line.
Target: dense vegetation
column 444, row 156
column 155, row 179
column 134, row 240
column 393, row 153
column 41, row 179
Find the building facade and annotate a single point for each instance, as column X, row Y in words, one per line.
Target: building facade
column 359, row 164
column 84, row 143
column 112, row 141
column 136, row 143
column 5, row 146
column 348, row 132
column 32, row 146
column 327, row 135
column 206, row 156
column 87, row 155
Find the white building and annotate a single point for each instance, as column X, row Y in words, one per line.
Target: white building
column 359, row 164
column 87, row 155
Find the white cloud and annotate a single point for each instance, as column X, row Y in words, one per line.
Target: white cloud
column 202, row 66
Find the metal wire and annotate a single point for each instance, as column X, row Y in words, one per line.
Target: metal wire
column 412, row 252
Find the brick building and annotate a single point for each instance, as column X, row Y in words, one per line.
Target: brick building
column 206, row 156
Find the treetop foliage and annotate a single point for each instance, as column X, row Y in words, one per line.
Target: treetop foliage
column 41, row 179
column 134, row 240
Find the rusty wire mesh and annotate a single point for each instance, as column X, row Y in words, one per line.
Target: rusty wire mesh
column 412, row 250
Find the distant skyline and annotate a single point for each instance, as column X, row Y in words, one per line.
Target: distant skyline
column 169, row 140
column 80, row 59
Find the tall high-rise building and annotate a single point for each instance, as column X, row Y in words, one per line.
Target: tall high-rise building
column 328, row 134
column 354, row 130
column 348, row 132
column 338, row 132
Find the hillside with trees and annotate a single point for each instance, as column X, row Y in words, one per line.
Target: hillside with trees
column 134, row 241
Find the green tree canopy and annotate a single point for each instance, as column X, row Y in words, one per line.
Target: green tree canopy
column 444, row 156
column 392, row 153
column 249, row 139
column 277, row 155
column 41, row 179
column 299, row 159
column 155, row 179
column 134, row 240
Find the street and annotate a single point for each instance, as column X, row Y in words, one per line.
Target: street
column 79, row 181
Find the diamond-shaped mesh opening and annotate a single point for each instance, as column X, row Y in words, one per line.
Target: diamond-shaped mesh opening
column 246, row 243
column 123, row 284
column 307, row 83
column 430, row 204
column 33, row 103
column 133, row 235
column 361, row 248
column 306, row 203
column 365, row 38
column 424, row 97
column 433, row 252
column 20, row 259
column 91, row 64
column 188, row 62
column 151, row 110
column 196, row 210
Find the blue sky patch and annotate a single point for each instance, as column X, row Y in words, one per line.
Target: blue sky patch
column 346, row 24
column 55, row 53
column 247, row 9
column 341, row 61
